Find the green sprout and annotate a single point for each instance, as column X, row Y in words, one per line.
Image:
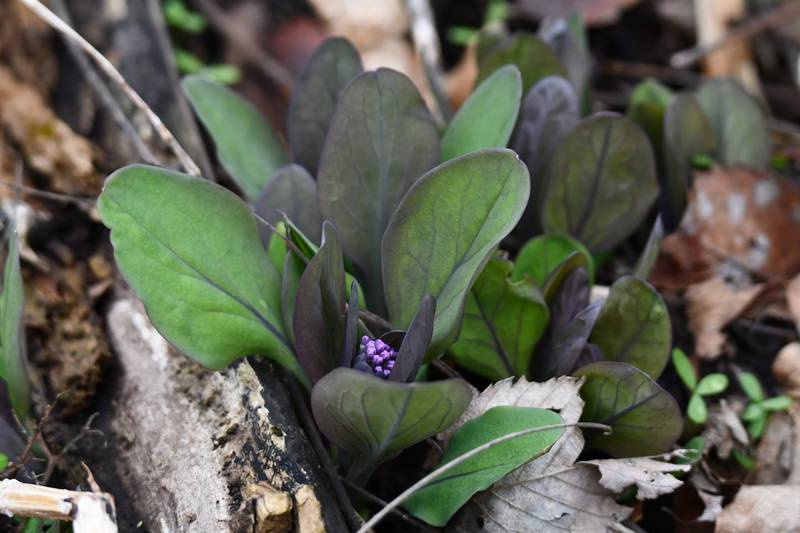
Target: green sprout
column 180, row 17
column 757, row 412
column 710, row 385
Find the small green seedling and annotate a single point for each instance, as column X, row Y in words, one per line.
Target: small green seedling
column 757, row 412
column 710, row 385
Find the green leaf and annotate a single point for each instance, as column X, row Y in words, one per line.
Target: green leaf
column 503, row 321
column 634, row 326
column 648, row 103
column 247, row 147
column 487, row 118
column 756, row 427
column 444, row 232
column 438, row 501
column 381, row 140
column 739, row 123
column 541, row 256
column 333, row 65
column 291, row 271
column 532, row 57
column 206, row 281
column 4, row 460
column 574, row 261
column 684, row 368
column 696, row 410
column 601, row 182
column 645, row 418
column 751, row 386
column 291, row 192
column 694, row 449
column 753, row 412
column 376, row 419
column 778, row 403
column 319, row 321
column 13, row 366
column 687, row 134
column 648, row 257
column 712, row 384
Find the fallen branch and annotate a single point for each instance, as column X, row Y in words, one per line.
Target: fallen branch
column 90, row 512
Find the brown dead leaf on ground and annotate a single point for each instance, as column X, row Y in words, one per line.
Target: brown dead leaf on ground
column 710, row 306
column 762, row 508
column 735, row 215
column 47, row 144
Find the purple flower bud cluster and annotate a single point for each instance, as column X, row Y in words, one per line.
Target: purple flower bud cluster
column 379, row 356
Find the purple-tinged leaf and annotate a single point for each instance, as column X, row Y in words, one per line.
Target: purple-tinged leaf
column 291, row 192
column 553, row 282
column 571, row 323
column 381, row 140
column 645, row 418
column 549, row 112
column 601, row 182
column 634, row 326
column 319, row 321
column 375, row 419
column 542, row 256
column 415, row 342
column 333, row 65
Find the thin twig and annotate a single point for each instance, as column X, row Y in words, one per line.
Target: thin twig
column 426, row 41
column 105, row 65
column 372, row 522
column 776, row 17
column 53, row 460
column 307, row 421
column 243, row 41
column 25, row 455
column 375, row 499
column 85, row 202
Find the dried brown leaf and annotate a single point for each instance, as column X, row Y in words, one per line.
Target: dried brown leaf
column 762, row 508
column 652, row 477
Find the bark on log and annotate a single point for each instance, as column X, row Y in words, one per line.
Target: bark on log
column 194, row 450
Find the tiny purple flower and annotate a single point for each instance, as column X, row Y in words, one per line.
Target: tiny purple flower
column 379, row 357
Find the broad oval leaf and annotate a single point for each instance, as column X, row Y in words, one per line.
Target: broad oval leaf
column 333, row 65
column 550, row 110
column 437, row 502
column 381, row 140
column 291, row 192
column 247, row 147
column 503, row 321
column 645, row 418
column 487, row 118
column 738, row 121
column 319, row 309
column 687, row 134
column 13, row 365
column 601, row 182
column 634, row 326
column 531, row 55
column 206, row 281
column 376, row 419
column 444, row 232
column 540, row 257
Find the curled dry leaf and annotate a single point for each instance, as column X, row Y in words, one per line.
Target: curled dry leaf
column 762, row 508
column 724, row 431
column 711, row 305
column 734, row 215
column 652, row 477
column 787, row 367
